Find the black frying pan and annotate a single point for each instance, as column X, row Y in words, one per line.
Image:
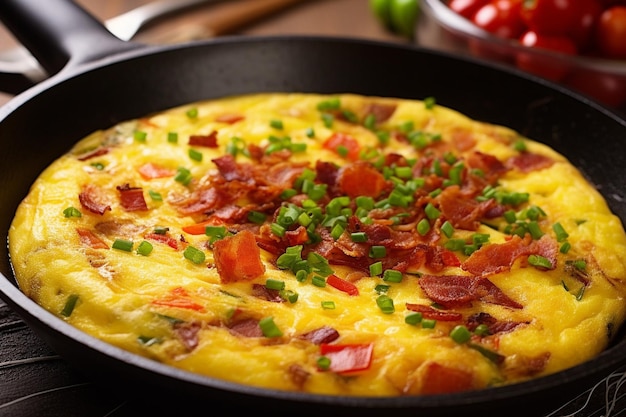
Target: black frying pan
column 103, row 81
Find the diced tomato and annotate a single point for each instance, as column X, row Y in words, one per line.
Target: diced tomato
column 439, row 379
column 88, row 238
column 178, row 298
column 348, row 357
column 151, row 171
column 170, row 241
column 238, row 257
column 361, row 179
column 344, row 145
column 342, row 285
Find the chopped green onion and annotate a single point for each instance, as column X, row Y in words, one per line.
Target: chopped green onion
column 429, row 103
column 460, row 334
column 309, row 132
column 155, row 196
column 192, row 113
column 377, row 251
column 376, row 269
column 256, row 217
column 359, row 237
column 447, row 229
column 423, row 227
column 69, row 306
column 385, row 303
column 539, row 261
column 144, row 248
column 276, row 124
column 194, row 255
column 183, row 176
column 172, row 137
column 381, row 288
column 560, row 232
column 318, row 281
column 482, row 330
column 330, row 104
column 72, row 212
column 195, row 155
column 289, row 295
column 413, row 318
column 565, row 247
column 323, row 363
column 269, row 328
column 160, row 230
column 391, row 275
column 140, row 136
column 274, row 284
column 123, row 244
column 328, row 305
column 429, row 323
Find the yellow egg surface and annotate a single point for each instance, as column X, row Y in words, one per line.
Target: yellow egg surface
column 330, row 244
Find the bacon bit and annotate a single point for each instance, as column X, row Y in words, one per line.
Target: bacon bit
column 88, row 238
column 453, row 291
column 342, row 285
column 178, row 298
column 297, row 237
column 229, row 118
column 434, row 314
column 438, row 258
column 461, row 210
column 528, row 162
column 170, row 241
column 132, row 198
column 91, row 198
column 343, row 140
column 495, row 326
column 207, row 141
column 92, row 154
column 361, row 179
column 498, row 257
column 200, row 201
column 381, row 111
column 247, row 328
column 150, row 171
column 298, row 375
column 440, row 379
column 349, row 357
column 463, row 139
column 324, row 334
column 238, row 258
column 267, row 294
column 491, row 166
column 188, row 334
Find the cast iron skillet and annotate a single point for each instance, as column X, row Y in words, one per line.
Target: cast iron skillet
column 102, row 81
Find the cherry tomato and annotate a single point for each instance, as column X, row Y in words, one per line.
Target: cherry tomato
column 609, row 89
column 611, row 32
column 466, row 8
column 582, row 29
column 501, row 17
column 545, row 66
column 550, row 17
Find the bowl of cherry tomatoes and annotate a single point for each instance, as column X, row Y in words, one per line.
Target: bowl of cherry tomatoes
column 578, row 43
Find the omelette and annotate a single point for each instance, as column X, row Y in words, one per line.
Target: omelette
column 329, row 244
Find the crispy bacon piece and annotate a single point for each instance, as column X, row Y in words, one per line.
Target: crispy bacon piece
column 453, row 291
column 168, row 240
column 440, row 379
column 238, row 258
column 150, row 171
column 132, row 198
column 491, row 167
column 324, row 334
column 463, row 211
column 298, row 375
column 96, row 152
column 495, row 326
column 88, row 238
column 429, row 312
column 178, row 298
column 361, row 179
column 342, row 141
column 498, row 257
column 528, row 162
column 229, row 118
column 264, row 293
column 188, row 333
column 92, row 199
column 380, row 111
column 207, row 141
column 247, row 327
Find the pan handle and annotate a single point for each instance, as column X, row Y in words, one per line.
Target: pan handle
column 60, row 33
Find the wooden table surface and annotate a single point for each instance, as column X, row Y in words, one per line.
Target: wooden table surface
column 34, row 380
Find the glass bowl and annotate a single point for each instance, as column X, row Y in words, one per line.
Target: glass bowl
column 604, row 80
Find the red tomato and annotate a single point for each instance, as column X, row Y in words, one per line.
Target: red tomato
column 551, row 17
column 544, row 65
column 348, row 357
column 582, row 29
column 608, row 89
column 466, row 8
column 501, row 17
column 611, row 32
